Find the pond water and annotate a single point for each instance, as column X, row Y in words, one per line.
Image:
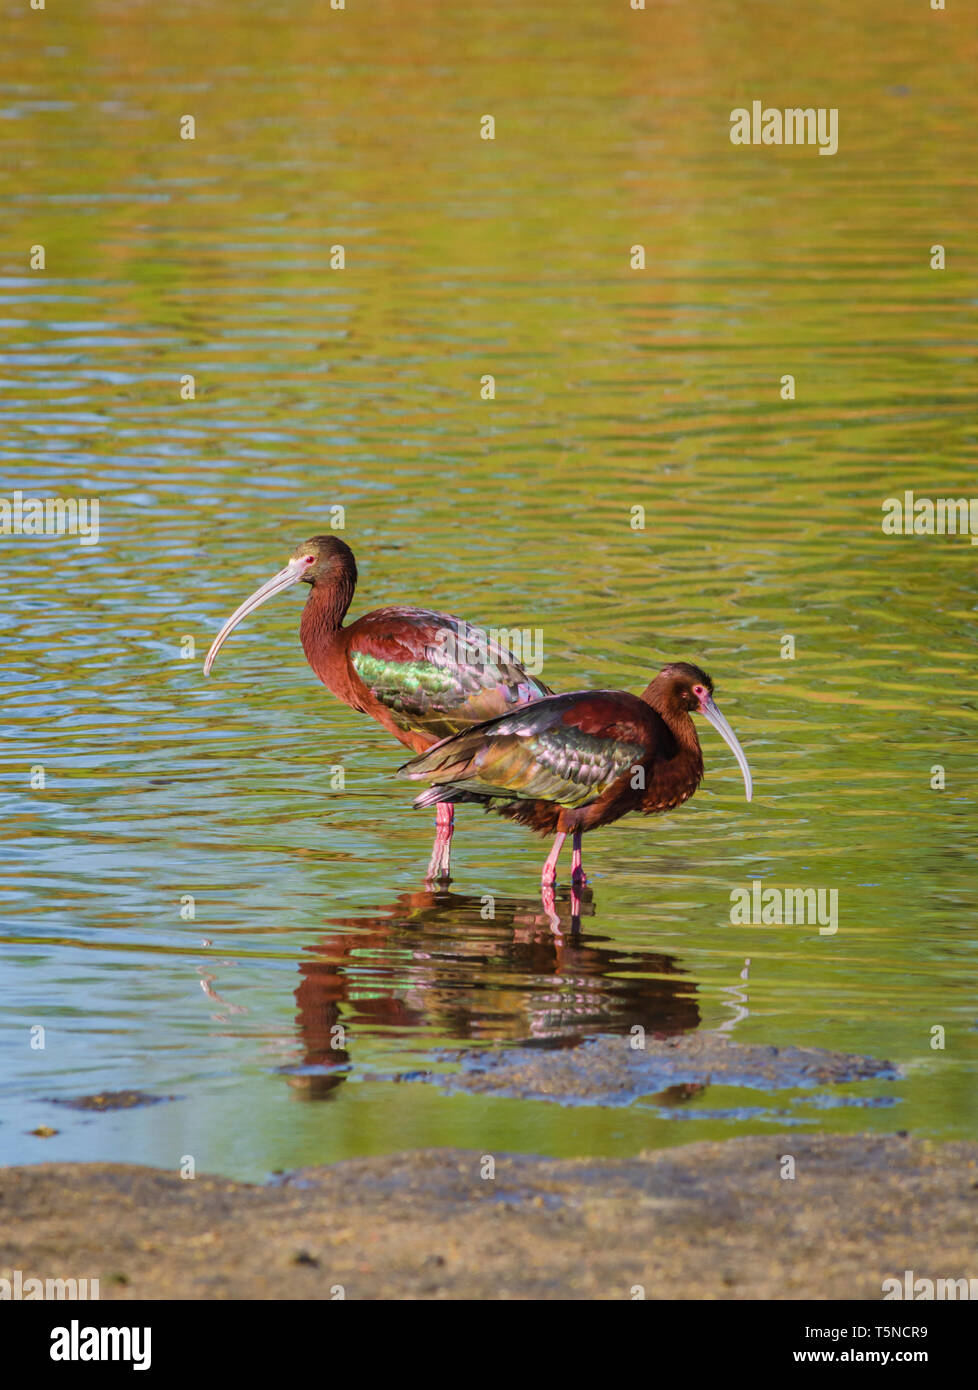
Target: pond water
column 615, row 389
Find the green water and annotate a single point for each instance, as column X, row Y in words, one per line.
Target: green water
column 615, row 389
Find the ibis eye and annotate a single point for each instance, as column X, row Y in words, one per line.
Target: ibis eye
column 310, row 559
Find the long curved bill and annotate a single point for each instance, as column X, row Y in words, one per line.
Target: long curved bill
column 709, row 711
column 283, row 580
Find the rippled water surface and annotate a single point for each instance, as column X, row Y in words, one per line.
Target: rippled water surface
column 615, row 389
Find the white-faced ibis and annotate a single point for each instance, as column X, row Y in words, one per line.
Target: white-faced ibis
column 570, row 763
column 422, row 675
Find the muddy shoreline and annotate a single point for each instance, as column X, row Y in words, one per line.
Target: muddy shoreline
column 703, row 1221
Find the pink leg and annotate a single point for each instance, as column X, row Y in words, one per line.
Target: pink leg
column 441, row 854
column 549, row 874
column 550, row 908
column 578, row 876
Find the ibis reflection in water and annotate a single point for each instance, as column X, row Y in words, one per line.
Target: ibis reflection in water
column 430, row 963
column 422, row 675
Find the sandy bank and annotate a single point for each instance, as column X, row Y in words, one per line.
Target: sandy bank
column 702, row 1221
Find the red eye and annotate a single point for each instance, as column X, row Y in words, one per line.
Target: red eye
column 310, row 559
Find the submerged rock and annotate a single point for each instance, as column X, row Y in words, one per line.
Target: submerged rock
column 109, row 1100
column 609, row 1071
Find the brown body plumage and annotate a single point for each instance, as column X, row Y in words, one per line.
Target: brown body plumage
column 571, row 763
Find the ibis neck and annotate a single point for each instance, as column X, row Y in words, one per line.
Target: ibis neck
column 322, row 620
column 675, row 777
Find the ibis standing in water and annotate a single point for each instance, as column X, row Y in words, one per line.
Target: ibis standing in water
column 424, row 676
column 571, row 763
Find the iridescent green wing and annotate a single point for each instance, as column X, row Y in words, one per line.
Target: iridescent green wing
column 568, row 749
column 435, row 673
